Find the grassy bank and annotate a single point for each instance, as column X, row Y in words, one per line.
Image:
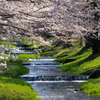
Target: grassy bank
column 15, row 69
column 15, row 89
column 51, row 50
column 92, row 87
column 27, row 56
column 79, row 60
column 11, row 87
column 8, row 43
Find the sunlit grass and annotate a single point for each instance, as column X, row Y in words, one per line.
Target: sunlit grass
column 8, row 43
column 16, row 89
column 81, row 62
column 92, row 87
column 28, row 56
column 70, row 52
column 51, row 51
column 25, row 43
column 12, row 88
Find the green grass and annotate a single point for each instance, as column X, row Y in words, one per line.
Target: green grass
column 72, row 56
column 16, row 89
column 50, row 51
column 27, row 56
column 53, row 38
column 15, row 69
column 31, row 45
column 39, row 45
column 12, row 88
column 21, row 60
column 28, row 39
column 68, row 51
column 12, row 46
column 92, row 87
column 57, row 51
column 25, row 43
column 84, row 63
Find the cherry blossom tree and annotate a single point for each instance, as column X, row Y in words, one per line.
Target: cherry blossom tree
column 62, row 18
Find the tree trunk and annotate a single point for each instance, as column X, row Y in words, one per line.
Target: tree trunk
column 80, row 41
column 88, row 42
column 99, row 46
column 94, row 43
column 95, row 46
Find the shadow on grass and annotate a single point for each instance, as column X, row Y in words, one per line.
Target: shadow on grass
column 75, row 56
column 68, row 60
column 74, row 66
column 62, row 55
column 84, row 49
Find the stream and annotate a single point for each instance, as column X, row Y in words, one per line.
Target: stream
column 52, row 84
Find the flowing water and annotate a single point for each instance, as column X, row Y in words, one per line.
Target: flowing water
column 52, row 84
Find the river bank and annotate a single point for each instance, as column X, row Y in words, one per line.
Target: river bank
column 11, row 87
column 78, row 60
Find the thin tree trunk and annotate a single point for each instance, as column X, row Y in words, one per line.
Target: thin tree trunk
column 80, row 41
column 95, row 46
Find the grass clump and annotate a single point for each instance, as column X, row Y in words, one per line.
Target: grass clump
column 16, row 89
column 7, row 43
column 25, row 43
column 12, row 88
column 18, row 60
column 27, row 56
column 15, row 69
column 13, row 46
column 82, row 63
column 31, row 45
column 51, row 51
column 68, row 51
column 77, row 66
column 92, row 87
